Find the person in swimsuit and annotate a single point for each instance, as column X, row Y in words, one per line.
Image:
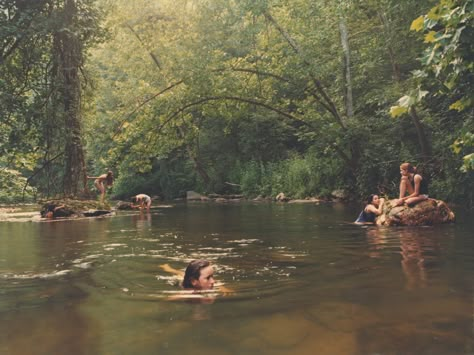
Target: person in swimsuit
column 371, row 210
column 413, row 184
column 143, row 201
column 103, row 181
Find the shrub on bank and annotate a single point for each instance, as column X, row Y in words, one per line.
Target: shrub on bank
column 14, row 188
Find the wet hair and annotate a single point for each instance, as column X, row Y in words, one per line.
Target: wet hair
column 370, row 198
column 193, row 272
column 109, row 178
column 408, row 167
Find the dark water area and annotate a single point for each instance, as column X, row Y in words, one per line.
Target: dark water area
column 305, row 280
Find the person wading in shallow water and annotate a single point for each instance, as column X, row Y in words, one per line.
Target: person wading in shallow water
column 102, row 182
column 413, row 184
column 371, row 210
column 143, row 201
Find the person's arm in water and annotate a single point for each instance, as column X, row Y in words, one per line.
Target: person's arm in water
column 171, row 270
column 373, row 209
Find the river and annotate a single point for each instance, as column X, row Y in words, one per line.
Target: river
column 305, row 280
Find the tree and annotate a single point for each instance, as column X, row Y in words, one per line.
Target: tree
column 447, row 68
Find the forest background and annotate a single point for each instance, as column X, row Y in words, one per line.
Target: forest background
column 235, row 96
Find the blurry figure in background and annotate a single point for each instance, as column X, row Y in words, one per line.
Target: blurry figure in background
column 414, row 184
column 102, row 182
column 143, row 201
column 52, row 211
column 371, row 210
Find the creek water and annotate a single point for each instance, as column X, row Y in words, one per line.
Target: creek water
column 305, row 280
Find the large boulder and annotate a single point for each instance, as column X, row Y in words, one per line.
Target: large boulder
column 424, row 213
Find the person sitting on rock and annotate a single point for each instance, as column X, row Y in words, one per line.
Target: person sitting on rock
column 143, row 201
column 413, row 184
column 371, row 210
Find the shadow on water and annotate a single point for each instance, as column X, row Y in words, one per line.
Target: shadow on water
column 304, row 279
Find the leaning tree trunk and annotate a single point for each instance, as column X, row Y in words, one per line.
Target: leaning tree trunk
column 70, row 60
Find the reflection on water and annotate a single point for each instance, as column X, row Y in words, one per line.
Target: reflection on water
column 420, row 251
column 305, row 281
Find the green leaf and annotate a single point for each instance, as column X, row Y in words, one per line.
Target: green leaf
column 461, row 104
column 456, row 146
column 468, row 163
column 430, row 37
column 406, row 101
column 396, row 111
column 417, row 24
column 422, row 94
column 458, row 106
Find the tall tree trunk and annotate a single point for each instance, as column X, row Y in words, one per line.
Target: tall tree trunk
column 426, row 151
column 322, row 97
column 425, row 146
column 391, row 53
column 347, row 68
column 70, row 60
column 198, row 166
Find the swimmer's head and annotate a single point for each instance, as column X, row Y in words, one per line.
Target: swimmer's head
column 199, row 275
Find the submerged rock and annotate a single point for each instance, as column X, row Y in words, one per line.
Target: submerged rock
column 424, row 213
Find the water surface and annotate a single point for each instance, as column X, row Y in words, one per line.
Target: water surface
column 305, row 281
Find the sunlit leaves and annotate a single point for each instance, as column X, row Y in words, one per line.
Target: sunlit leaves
column 396, row 111
column 417, row 24
column 430, row 37
column 460, row 105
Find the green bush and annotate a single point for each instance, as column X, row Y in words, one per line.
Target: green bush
column 12, row 187
column 298, row 177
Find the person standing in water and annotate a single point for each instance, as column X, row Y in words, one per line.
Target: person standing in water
column 143, row 201
column 102, row 182
column 371, row 210
column 413, row 184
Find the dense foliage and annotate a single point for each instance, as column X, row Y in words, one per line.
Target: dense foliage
column 255, row 97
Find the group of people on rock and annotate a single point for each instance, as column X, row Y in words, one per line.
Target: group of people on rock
column 413, row 189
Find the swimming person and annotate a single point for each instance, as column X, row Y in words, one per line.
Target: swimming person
column 143, row 200
column 103, row 181
column 199, row 276
column 371, row 210
column 413, row 183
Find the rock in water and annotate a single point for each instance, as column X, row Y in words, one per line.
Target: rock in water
column 424, row 213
